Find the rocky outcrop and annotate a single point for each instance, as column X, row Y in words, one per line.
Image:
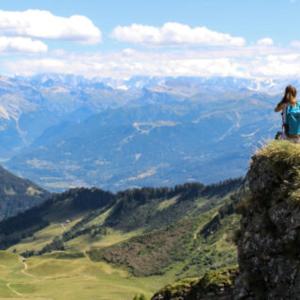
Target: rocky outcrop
column 269, row 238
column 214, row 285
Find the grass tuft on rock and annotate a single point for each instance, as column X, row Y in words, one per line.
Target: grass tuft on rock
column 281, row 151
column 275, row 173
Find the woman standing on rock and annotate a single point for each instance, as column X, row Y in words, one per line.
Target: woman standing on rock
column 290, row 111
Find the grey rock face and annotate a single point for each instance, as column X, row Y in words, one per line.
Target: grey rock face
column 269, row 239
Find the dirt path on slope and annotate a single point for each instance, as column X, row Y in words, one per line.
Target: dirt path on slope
column 25, row 268
column 8, row 285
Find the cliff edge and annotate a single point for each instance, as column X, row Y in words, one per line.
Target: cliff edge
column 269, row 238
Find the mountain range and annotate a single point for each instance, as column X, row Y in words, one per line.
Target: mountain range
column 65, row 131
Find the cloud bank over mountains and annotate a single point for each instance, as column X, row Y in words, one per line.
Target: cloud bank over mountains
column 172, row 49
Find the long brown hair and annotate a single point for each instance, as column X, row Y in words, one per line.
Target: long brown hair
column 290, row 93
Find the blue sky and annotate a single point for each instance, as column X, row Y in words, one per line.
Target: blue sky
column 258, row 34
column 250, row 18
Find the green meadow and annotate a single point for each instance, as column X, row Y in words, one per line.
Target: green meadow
column 52, row 278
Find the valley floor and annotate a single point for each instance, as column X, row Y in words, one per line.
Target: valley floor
column 48, row 278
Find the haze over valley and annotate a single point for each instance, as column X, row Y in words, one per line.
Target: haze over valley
column 66, row 131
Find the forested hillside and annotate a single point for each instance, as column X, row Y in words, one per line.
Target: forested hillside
column 184, row 230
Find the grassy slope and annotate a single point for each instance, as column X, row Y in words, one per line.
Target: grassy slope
column 85, row 242
column 179, row 247
column 50, row 278
column 189, row 253
column 42, row 237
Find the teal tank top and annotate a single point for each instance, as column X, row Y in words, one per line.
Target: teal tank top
column 293, row 119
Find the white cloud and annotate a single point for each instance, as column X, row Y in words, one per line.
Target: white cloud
column 44, row 25
column 284, row 65
column 265, row 42
column 248, row 61
column 21, row 44
column 131, row 62
column 174, row 34
column 34, row 66
column 295, row 44
column 117, row 65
